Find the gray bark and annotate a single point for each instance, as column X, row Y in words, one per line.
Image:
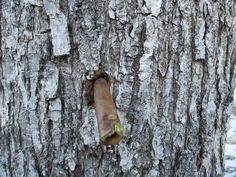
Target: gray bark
column 172, row 69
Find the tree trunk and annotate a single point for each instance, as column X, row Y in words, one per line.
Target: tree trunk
column 171, row 65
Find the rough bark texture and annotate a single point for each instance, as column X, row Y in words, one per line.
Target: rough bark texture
column 172, row 69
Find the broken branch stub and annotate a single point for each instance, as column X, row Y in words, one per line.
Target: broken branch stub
column 109, row 125
column 110, row 129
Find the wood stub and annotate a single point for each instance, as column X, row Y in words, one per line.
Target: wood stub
column 98, row 95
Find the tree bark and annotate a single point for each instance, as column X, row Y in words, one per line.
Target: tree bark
column 171, row 65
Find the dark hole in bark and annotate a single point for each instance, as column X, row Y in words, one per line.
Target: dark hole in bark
column 89, row 85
